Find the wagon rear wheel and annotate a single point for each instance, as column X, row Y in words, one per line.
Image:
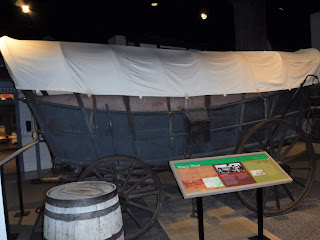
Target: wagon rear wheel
column 292, row 149
column 137, row 184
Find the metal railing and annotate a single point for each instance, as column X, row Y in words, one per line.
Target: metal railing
column 16, row 153
column 2, row 186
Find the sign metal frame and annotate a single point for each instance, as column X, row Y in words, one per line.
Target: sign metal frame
column 209, row 192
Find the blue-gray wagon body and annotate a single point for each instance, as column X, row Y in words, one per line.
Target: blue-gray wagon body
column 79, row 135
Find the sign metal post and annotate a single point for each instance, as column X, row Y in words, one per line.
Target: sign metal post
column 216, row 175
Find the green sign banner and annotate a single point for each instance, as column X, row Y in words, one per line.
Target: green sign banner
column 220, row 161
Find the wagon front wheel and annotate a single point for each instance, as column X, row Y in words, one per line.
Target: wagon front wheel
column 292, row 149
column 139, row 190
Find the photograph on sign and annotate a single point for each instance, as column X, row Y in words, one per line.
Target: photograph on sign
column 216, row 175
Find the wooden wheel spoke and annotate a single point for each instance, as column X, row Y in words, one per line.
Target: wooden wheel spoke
column 108, row 170
column 291, row 158
column 123, row 171
column 144, row 189
column 265, row 197
column 305, row 168
column 133, row 217
column 282, row 139
column 136, row 205
column 299, row 183
column 246, row 150
column 270, row 141
column 288, row 149
column 262, row 146
column 104, row 170
column 95, row 171
column 288, row 193
column 276, row 195
column 137, row 184
column 115, row 172
column 128, row 176
column 271, row 150
column 141, row 195
column 254, row 192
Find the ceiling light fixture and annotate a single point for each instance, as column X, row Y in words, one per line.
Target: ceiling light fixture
column 25, row 8
column 154, row 4
column 204, row 16
column 281, row 9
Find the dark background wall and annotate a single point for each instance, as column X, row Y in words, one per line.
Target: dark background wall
column 286, row 24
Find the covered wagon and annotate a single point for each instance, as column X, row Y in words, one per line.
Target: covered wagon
column 123, row 112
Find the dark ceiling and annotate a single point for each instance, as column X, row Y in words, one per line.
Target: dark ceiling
column 172, row 22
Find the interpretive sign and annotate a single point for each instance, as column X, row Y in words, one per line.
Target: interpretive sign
column 215, row 175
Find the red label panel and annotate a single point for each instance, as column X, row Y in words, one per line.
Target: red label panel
column 234, row 174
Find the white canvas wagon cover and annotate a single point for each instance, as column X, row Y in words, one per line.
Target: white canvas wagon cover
column 135, row 71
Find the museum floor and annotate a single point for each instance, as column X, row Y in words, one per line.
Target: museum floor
column 225, row 217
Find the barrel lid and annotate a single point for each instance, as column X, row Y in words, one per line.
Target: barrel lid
column 81, row 193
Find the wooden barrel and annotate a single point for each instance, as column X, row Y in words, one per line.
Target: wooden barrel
column 83, row 210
